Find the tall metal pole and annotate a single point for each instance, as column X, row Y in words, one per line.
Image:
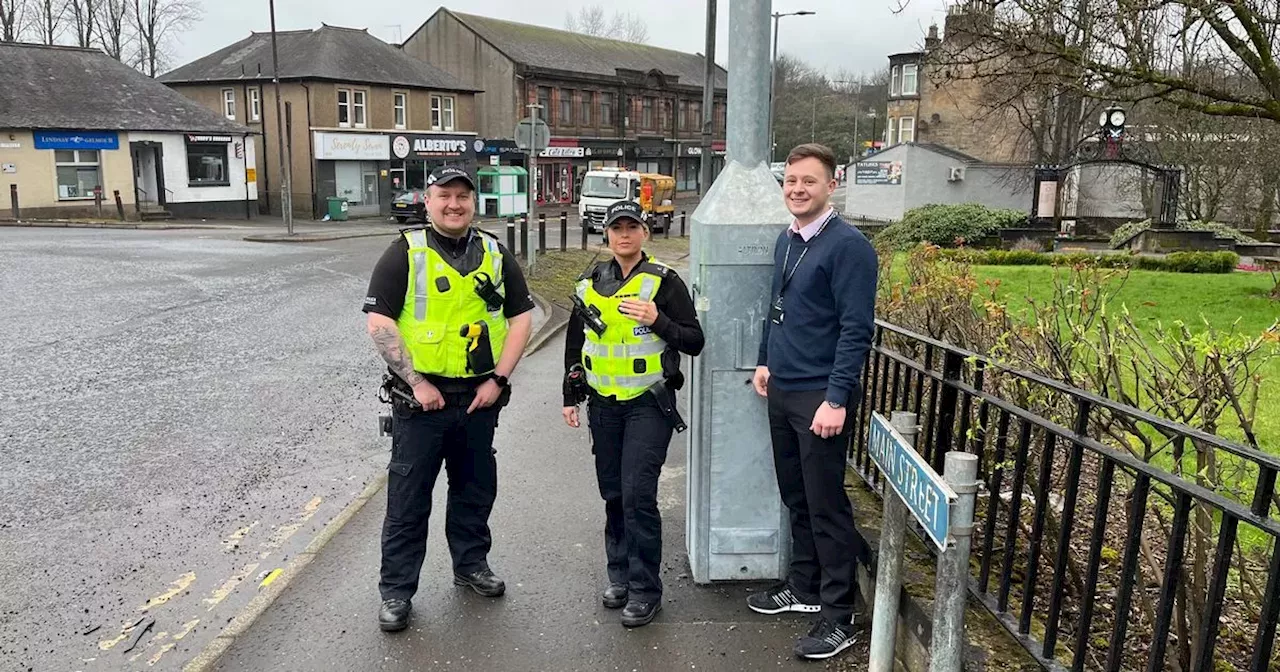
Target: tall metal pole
column 531, row 254
column 286, row 196
column 748, row 127
column 708, row 102
column 773, row 73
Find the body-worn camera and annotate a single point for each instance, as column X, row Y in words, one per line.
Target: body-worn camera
column 577, row 380
column 590, row 315
column 486, row 290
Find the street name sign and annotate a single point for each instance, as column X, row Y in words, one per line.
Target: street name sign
column 923, row 491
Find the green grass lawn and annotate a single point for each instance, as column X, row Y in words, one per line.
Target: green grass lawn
column 1166, row 298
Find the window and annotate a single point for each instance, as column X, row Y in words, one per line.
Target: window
column 344, row 108
column 566, row 107
column 668, row 114
column 544, row 99
column 909, row 72
column 606, row 109
column 229, row 103
column 585, row 107
column 401, row 109
column 255, row 105
column 646, row 115
column 207, row 165
column 906, row 129
column 442, row 113
column 891, row 133
column 684, row 114
column 695, row 116
column 895, row 81
column 357, row 108
column 79, row 171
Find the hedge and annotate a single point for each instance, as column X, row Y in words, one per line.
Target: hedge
column 1178, row 262
column 944, row 225
column 1131, row 229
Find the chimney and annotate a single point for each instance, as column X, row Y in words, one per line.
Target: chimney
column 931, row 42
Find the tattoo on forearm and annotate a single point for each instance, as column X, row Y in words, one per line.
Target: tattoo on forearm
column 393, row 350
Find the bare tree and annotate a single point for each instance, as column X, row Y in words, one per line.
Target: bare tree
column 84, row 20
column 115, row 28
column 156, row 22
column 49, row 20
column 590, row 20
column 12, row 19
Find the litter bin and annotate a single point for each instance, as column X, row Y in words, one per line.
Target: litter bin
column 337, row 209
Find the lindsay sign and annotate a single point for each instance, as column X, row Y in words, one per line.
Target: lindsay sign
column 352, row 147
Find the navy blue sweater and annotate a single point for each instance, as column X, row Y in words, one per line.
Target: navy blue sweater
column 829, row 313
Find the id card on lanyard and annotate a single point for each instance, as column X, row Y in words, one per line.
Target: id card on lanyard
column 776, row 312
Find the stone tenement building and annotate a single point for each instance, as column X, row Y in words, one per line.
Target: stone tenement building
column 932, row 100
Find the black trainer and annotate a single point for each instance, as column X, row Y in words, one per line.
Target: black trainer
column 825, row 639
column 394, row 615
column 615, row 596
column 778, row 599
column 636, row 613
column 483, row 582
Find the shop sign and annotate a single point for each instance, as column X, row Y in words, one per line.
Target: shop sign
column 352, row 147
column 697, row 151
column 192, row 138
column 77, row 140
column 651, row 152
column 563, row 153
column 877, row 172
column 435, row 145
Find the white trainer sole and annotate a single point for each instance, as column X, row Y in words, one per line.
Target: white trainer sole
column 823, row 656
column 797, row 608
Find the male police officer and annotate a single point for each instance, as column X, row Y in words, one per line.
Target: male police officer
column 632, row 319
column 449, row 311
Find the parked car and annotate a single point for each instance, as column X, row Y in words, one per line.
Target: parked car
column 411, row 205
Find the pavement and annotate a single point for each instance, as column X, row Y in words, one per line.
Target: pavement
column 548, row 545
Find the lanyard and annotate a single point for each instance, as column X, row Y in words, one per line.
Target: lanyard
column 786, row 277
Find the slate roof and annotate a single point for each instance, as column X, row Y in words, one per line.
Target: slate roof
column 70, row 88
column 327, row 53
column 554, row 49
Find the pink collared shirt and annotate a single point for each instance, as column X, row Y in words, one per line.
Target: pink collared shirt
column 809, row 231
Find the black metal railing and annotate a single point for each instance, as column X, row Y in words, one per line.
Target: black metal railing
column 1105, row 537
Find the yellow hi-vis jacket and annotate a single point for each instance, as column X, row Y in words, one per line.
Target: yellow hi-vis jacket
column 626, row 360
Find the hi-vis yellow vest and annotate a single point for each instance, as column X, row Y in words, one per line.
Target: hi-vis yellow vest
column 626, row 360
column 440, row 301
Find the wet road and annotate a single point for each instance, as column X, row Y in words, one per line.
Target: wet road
column 180, row 413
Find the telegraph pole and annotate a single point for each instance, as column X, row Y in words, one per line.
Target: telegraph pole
column 286, row 197
column 708, row 102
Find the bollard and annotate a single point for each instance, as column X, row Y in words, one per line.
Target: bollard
column 13, row 201
column 524, row 236
column 684, row 218
column 542, row 233
column 564, row 230
column 97, row 200
column 119, row 204
column 884, row 617
column 947, row 653
column 511, row 234
column 582, row 222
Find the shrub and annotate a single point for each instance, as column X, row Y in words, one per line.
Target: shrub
column 1131, row 229
column 1178, row 262
column 944, row 225
column 1033, row 245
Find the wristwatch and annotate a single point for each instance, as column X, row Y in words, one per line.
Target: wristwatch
column 833, row 404
column 500, row 380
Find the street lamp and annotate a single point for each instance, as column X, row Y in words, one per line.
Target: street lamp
column 873, row 115
column 773, row 70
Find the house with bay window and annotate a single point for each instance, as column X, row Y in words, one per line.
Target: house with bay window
column 362, row 120
column 78, row 128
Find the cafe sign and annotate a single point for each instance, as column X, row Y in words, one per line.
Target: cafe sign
column 352, row 147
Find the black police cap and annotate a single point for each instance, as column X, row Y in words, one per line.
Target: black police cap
column 446, row 174
column 624, row 210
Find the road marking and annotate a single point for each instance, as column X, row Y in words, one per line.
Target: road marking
column 275, row 574
column 181, row 584
column 160, row 637
column 221, row 593
column 186, row 629
column 283, row 532
column 232, row 542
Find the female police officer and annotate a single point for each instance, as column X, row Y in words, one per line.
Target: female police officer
column 633, row 318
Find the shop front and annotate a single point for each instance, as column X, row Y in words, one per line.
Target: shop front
column 597, row 154
column 653, row 156
column 689, row 166
column 506, row 151
column 349, row 166
column 415, row 155
column 557, row 176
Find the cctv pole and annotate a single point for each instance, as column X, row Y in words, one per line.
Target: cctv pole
column 286, row 197
column 531, row 255
column 708, row 102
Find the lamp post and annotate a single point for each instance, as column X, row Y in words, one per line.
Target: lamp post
column 773, row 71
column 873, row 129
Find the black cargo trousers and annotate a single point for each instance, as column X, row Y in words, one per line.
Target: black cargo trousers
column 423, row 442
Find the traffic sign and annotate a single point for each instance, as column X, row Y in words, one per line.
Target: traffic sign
column 923, row 491
column 532, row 135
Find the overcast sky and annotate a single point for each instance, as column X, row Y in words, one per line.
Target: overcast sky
column 853, row 34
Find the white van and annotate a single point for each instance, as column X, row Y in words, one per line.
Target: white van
column 601, row 189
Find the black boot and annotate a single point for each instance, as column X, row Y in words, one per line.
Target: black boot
column 638, row 613
column 483, row 582
column 615, row 596
column 394, row 615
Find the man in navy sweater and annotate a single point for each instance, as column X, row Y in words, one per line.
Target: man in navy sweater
column 816, row 337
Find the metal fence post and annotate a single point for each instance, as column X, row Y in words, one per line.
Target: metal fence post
column 542, row 233
column 564, row 230
column 684, row 219
column 511, row 234
column 13, row 201
column 524, row 236
column 666, row 226
column 951, row 591
column 884, row 614
column 582, row 222
column 119, row 204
